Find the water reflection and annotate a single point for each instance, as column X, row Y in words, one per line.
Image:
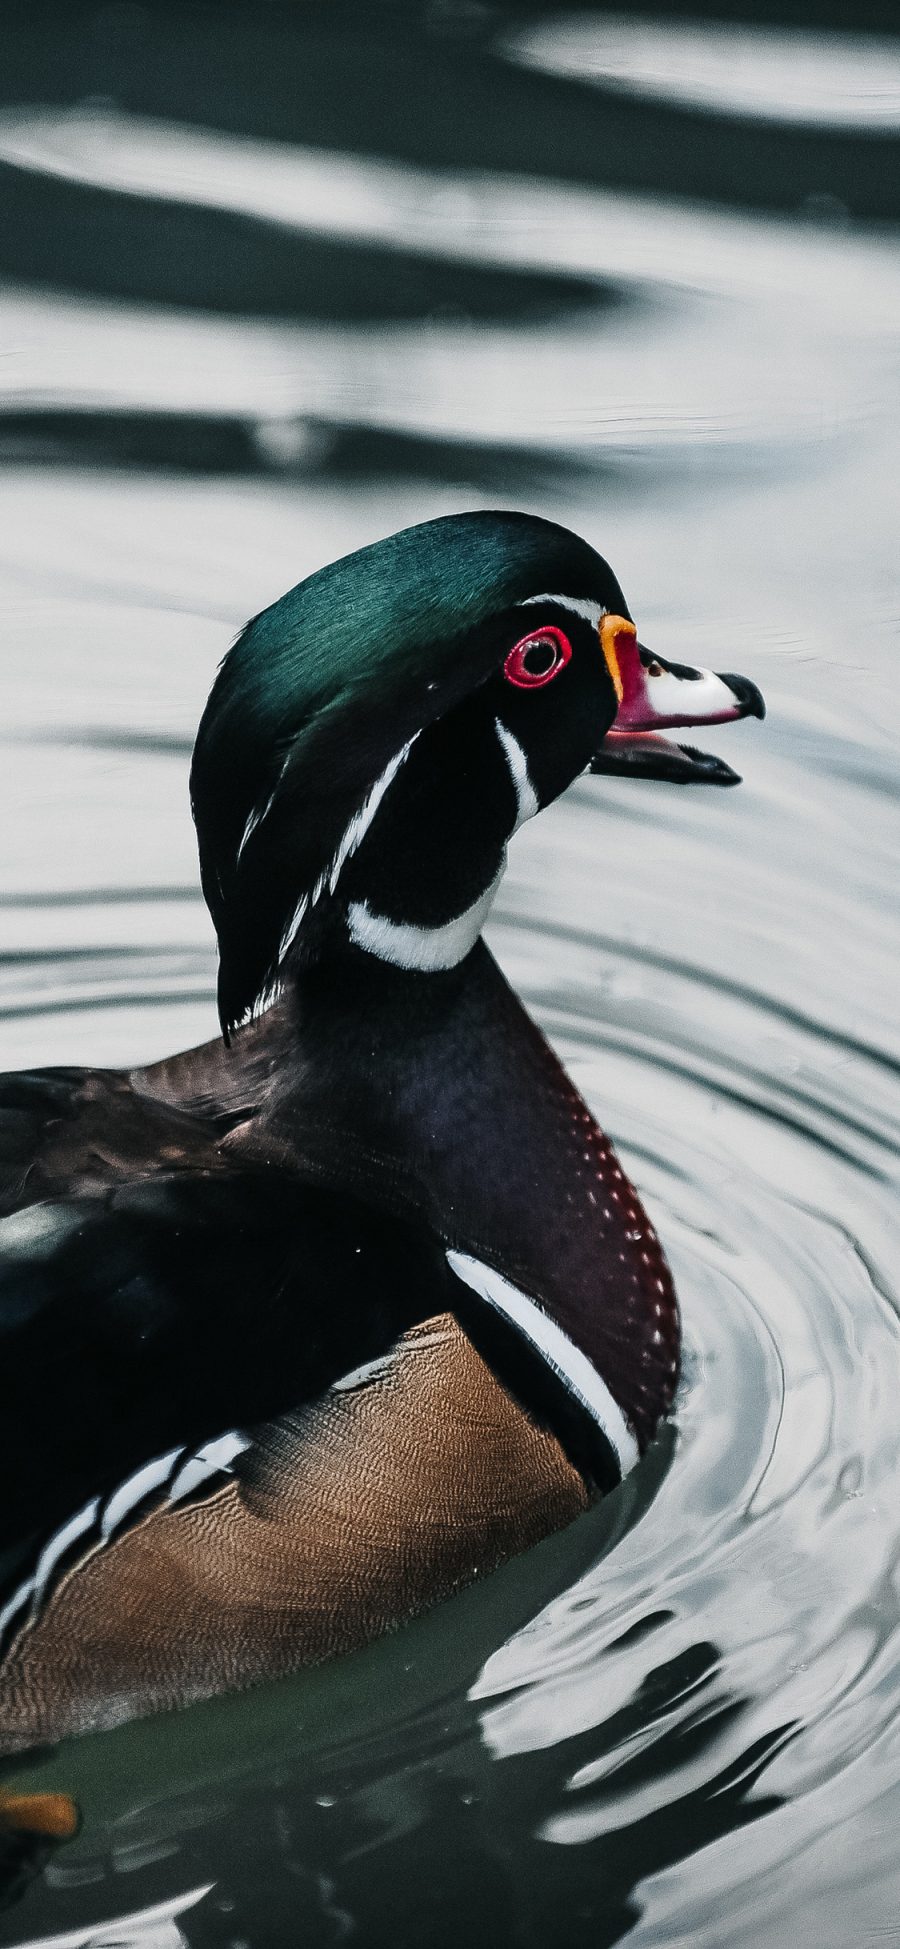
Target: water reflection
column 277, row 288
column 818, row 78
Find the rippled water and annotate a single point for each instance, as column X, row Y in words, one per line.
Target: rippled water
column 273, row 289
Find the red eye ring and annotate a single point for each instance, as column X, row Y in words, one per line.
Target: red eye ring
column 551, row 641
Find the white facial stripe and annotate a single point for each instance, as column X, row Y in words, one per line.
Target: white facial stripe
column 261, row 812
column 255, row 819
column 579, row 605
column 292, row 928
column 555, row 1347
column 526, row 796
column 349, row 844
column 424, row 949
column 361, row 821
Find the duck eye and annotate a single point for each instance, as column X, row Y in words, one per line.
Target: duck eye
column 537, row 658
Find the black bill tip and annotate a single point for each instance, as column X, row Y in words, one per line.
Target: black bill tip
column 646, row 756
column 751, row 700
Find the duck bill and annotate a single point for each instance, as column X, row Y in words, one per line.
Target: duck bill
column 656, row 695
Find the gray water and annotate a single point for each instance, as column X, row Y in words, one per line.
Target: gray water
column 274, row 285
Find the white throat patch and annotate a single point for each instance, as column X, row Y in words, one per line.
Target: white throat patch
column 423, row 949
column 430, row 949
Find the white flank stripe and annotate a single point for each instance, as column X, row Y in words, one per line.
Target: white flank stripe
column 211, row 1460
column 579, row 605
column 373, row 1370
column 361, row 821
column 58, row 1546
column 376, row 1370
column 518, row 767
column 425, row 949
column 17, row 1602
column 152, row 1476
column 195, row 1469
column 555, row 1347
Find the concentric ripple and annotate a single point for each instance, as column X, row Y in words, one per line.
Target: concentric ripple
column 761, row 1583
column 679, row 1721
column 667, row 1717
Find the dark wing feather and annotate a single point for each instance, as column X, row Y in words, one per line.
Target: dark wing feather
column 66, row 1132
column 168, row 1311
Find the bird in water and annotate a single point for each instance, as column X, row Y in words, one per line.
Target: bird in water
column 302, row 1330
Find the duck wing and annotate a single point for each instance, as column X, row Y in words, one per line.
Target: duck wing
column 76, row 1132
column 241, row 1430
column 405, row 1480
column 68, row 1131
column 144, row 1327
column 224, row 1083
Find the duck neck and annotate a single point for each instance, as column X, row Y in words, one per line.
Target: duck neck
column 436, row 1094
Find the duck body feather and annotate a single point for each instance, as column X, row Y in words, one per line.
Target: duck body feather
column 246, row 1255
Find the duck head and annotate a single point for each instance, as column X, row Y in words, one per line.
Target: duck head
column 374, row 739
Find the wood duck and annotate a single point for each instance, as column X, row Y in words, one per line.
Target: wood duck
column 304, row 1329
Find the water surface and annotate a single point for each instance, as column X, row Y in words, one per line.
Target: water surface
column 272, row 289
